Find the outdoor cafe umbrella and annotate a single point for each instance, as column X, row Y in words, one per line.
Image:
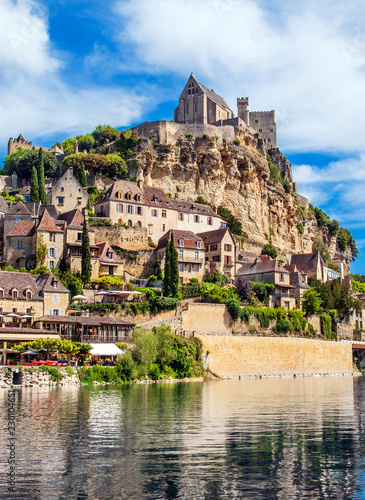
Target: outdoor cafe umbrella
column 26, row 316
column 79, row 297
column 12, row 315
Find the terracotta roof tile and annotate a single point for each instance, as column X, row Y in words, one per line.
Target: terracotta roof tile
column 49, row 283
column 306, row 262
column 22, row 282
column 190, row 239
column 18, row 209
column 23, row 228
column 262, row 267
column 103, row 249
column 216, row 236
column 73, row 217
column 46, row 223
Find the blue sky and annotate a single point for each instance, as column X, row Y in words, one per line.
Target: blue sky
column 69, row 65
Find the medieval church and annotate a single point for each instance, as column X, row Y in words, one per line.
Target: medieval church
column 199, row 105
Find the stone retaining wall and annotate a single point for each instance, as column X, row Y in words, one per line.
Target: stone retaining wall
column 18, row 376
column 230, row 356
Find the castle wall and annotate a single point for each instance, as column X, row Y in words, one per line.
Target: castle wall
column 265, row 123
column 165, row 132
column 233, row 356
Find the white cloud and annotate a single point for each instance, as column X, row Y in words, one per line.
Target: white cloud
column 35, row 98
column 305, row 60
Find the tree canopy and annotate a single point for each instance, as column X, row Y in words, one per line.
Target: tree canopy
column 23, row 164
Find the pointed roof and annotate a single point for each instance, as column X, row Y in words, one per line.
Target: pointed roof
column 307, row 262
column 259, row 267
column 18, row 209
column 21, row 138
column 4, row 207
column 49, row 283
column 189, row 238
column 48, row 224
column 215, row 236
column 103, row 249
column 210, row 93
column 73, row 217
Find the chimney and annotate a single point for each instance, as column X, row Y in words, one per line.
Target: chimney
column 76, row 148
column 140, row 183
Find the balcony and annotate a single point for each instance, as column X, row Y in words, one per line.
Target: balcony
column 191, row 260
column 228, row 264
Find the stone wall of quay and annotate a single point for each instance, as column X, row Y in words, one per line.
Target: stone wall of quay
column 16, row 376
column 230, row 356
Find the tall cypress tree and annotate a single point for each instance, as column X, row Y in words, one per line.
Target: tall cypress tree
column 41, row 183
column 167, row 272
column 174, row 268
column 34, row 189
column 85, row 255
column 82, row 176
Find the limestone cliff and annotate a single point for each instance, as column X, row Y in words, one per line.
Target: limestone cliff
column 237, row 175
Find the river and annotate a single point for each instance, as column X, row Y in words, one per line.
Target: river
column 250, row 439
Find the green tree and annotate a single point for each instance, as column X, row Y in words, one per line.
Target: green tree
column 159, row 271
column 72, row 282
column 124, row 146
column 117, row 168
column 41, row 183
column 25, row 163
column 311, row 302
column 40, row 251
column 85, row 255
column 234, row 224
column 11, row 161
column 174, row 266
column 270, row 250
column 166, row 288
column 82, row 176
column 69, row 145
column 104, row 134
column 85, row 142
column 34, row 187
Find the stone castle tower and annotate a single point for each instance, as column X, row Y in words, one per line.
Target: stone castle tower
column 20, row 142
column 263, row 122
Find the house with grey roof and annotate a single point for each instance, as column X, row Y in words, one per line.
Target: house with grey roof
column 67, row 193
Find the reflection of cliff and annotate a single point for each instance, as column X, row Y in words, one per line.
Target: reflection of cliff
column 234, row 174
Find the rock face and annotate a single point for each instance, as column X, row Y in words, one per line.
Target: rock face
column 237, row 175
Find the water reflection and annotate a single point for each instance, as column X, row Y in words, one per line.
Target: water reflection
column 262, row 439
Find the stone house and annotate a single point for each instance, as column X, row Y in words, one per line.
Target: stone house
column 191, row 254
column 23, row 293
column 313, row 265
column 143, row 206
column 198, row 104
column 220, row 249
column 273, row 272
column 21, row 242
column 299, row 280
column 67, row 193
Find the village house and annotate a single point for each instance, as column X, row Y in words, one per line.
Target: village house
column 67, row 193
column 273, row 272
column 26, row 294
column 86, row 329
column 299, row 280
column 191, row 254
column 313, row 265
column 143, row 206
column 220, row 250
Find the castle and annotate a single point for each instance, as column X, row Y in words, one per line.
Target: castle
column 20, row 142
column 199, row 105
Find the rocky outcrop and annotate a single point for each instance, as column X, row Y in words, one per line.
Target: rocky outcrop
column 237, row 175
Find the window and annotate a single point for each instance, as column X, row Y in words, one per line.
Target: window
column 227, row 248
column 139, row 211
column 110, row 255
column 50, row 264
column 181, row 216
column 210, row 221
column 28, row 295
column 163, row 213
column 19, row 244
column 15, row 310
column 55, row 284
column 14, row 294
column 196, row 267
column 120, row 208
column 213, row 248
column 181, row 254
column 119, row 194
column 55, row 299
column 128, row 196
column 181, row 267
column 17, row 218
column 61, row 201
column 79, row 201
column 196, row 218
column 55, row 312
column 130, row 223
column 287, row 305
column 256, row 121
column 51, row 252
column 181, row 242
column 129, row 209
column 260, row 129
column 154, row 212
column 223, row 224
column 189, row 268
column 282, row 277
column 79, row 236
column 163, row 227
column 271, row 130
column 139, row 224
column 196, row 255
column 1, row 294
column 216, row 258
column 111, row 270
column 52, row 237
column 29, row 310
column 62, row 189
column 138, row 197
column 198, row 244
column 79, row 190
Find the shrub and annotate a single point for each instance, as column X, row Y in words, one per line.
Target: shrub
column 158, row 304
column 297, row 320
column 234, row 308
column 283, row 325
column 53, row 372
column 270, row 250
column 300, row 227
column 326, row 326
column 69, row 371
column 189, row 137
column 237, row 141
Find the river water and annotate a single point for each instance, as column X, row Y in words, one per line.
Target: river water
column 251, row 439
